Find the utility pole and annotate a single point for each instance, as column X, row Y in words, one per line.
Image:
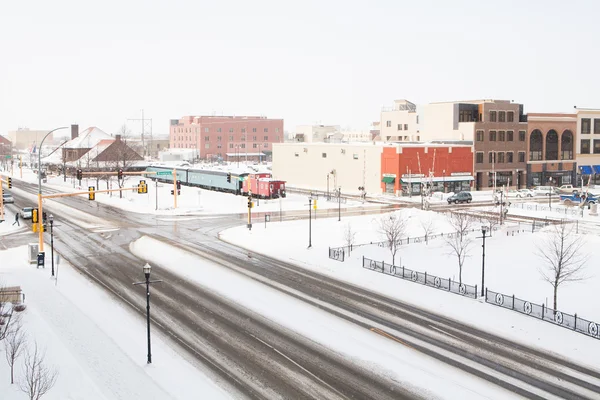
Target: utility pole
column 146, row 123
column 309, row 222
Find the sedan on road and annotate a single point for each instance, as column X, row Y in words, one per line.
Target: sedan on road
column 525, row 193
column 7, row 198
column 461, row 197
column 26, row 212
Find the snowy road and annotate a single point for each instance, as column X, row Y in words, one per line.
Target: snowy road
column 243, row 348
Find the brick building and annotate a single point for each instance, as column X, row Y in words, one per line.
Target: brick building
column 222, row 137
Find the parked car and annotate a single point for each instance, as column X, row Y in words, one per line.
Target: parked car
column 512, row 193
column 7, row 198
column 545, row 190
column 567, row 189
column 461, row 197
column 525, row 193
column 578, row 198
column 26, row 212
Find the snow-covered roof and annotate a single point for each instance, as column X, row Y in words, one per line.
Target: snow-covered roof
column 88, row 139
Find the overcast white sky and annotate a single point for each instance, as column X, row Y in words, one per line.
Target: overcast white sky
column 328, row 61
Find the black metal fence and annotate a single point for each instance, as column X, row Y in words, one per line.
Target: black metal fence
column 423, row 278
column 339, row 253
column 544, row 313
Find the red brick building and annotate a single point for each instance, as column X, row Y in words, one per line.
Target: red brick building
column 226, row 137
column 441, row 167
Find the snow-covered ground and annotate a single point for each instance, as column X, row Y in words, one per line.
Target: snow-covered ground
column 511, row 267
column 192, row 201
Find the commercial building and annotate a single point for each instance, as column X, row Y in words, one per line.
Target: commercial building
column 399, row 122
column 551, row 142
column 588, row 145
column 24, row 138
column 443, row 167
column 316, row 133
column 226, row 137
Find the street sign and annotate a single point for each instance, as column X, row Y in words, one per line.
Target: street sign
column 164, row 173
column 8, row 156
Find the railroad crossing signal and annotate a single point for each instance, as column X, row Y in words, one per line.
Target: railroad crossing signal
column 120, row 174
column 178, row 186
column 250, row 203
column 92, row 195
column 173, row 192
column 79, row 174
column 228, row 178
column 9, row 182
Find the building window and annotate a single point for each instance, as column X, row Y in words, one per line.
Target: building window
column 207, row 145
column 266, row 130
column 266, row 145
column 296, row 155
column 206, row 130
column 509, row 157
column 399, row 127
column 388, row 124
column 243, row 138
column 596, row 125
column 501, row 157
column 585, row 146
column 586, row 125
column 243, row 130
column 230, row 138
column 492, row 116
column 254, row 145
column 491, row 157
column 596, row 146
column 521, row 156
column 479, row 136
column 501, row 136
column 219, row 146
column 510, row 136
column 230, row 130
column 324, row 155
column 218, row 138
column 405, row 127
column 219, row 130
column 266, row 138
column 355, row 156
column 479, row 157
column 206, row 138
column 510, row 116
column 277, row 138
column 492, row 136
column 254, row 138
column 501, row 116
column 522, row 136
column 243, row 146
column 276, row 130
column 231, row 145
column 253, row 129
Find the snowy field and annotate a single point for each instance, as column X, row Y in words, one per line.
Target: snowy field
column 192, row 201
column 512, row 267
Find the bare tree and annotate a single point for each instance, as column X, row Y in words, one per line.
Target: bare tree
column 428, row 226
column 562, row 252
column 349, row 236
column 14, row 346
column 392, row 227
column 123, row 157
column 38, row 377
column 459, row 241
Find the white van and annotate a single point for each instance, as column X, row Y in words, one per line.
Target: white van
column 544, row 190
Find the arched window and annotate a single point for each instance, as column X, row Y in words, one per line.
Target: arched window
column 535, row 145
column 551, row 145
column 566, row 145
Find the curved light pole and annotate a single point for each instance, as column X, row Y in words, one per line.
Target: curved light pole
column 40, row 213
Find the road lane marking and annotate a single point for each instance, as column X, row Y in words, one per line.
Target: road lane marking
column 387, row 335
column 444, row 332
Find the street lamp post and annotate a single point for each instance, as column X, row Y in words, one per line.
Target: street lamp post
column 40, row 220
column 484, row 229
column 147, row 269
column 550, row 193
column 51, row 219
column 340, row 204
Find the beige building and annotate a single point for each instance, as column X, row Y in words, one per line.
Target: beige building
column 315, row 165
column 587, row 145
column 315, row 133
column 24, row 138
column 399, row 122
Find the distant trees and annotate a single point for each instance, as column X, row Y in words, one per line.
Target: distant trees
column 459, row 241
column 392, row 227
column 563, row 256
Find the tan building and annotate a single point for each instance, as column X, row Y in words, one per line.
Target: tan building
column 588, row 144
column 551, row 139
column 318, row 166
column 399, row 122
column 24, row 138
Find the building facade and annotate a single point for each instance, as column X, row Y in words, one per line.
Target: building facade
column 220, row 137
column 551, row 139
column 588, row 145
column 399, row 122
column 315, row 133
column 24, row 138
column 438, row 167
column 320, row 166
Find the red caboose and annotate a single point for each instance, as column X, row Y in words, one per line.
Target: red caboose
column 263, row 186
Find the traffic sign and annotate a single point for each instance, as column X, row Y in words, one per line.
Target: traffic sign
column 164, row 173
column 8, row 156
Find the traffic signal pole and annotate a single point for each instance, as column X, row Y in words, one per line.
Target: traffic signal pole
column 174, row 188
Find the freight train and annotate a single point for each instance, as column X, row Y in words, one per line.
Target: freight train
column 260, row 185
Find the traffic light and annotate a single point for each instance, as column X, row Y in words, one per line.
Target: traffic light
column 315, row 204
column 120, row 174
column 34, row 216
column 44, row 216
column 228, row 178
column 44, row 227
column 9, row 182
column 142, row 187
column 178, row 186
column 250, row 202
column 172, row 192
column 79, row 174
column 91, row 194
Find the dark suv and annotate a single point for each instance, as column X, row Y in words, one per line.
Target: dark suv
column 461, row 197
